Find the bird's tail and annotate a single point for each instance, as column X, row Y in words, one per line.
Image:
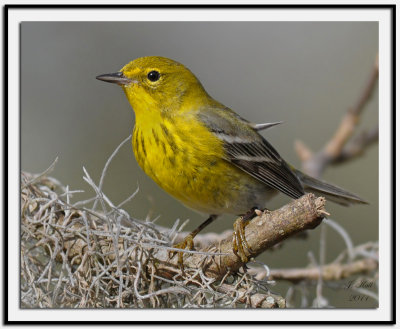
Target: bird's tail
column 330, row 191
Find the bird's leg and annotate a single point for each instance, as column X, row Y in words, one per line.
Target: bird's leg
column 188, row 243
column 239, row 237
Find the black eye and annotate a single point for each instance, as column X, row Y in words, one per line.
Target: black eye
column 153, row 76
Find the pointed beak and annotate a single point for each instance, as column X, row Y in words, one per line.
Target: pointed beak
column 118, row 78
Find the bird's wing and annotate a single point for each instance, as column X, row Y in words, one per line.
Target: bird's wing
column 249, row 151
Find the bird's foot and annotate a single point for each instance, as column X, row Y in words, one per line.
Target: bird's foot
column 240, row 245
column 186, row 243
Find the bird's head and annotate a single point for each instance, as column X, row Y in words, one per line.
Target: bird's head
column 158, row 84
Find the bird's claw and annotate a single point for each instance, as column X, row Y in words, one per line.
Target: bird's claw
column 187, row 243
column 240, row 245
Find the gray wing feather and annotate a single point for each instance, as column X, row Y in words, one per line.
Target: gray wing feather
column 263, row 162
column 262, row 126
column 249, row 151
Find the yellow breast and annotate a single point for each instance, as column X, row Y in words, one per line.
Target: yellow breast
column 189, row 165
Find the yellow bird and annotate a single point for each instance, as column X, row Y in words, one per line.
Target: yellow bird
column 203, row 153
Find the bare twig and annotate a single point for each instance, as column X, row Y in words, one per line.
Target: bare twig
column 358, row 145
column 335, row 149
column 36, row 178
column 332, row 271
column 104, row 172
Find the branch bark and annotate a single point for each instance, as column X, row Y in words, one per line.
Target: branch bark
column 262, row 233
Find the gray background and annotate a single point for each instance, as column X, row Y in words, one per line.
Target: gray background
column 306, row 74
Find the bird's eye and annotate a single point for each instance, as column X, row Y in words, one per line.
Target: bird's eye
column 153, row 76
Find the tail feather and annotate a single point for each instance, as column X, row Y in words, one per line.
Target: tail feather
column 331, row 192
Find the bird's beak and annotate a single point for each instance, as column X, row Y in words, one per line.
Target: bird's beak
column 118, row 78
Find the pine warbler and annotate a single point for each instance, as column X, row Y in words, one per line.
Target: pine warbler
column 202, row 152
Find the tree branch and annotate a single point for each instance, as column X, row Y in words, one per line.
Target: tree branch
column 334, row 150
column 358, row 145
column 262, row 233
column 333, row 271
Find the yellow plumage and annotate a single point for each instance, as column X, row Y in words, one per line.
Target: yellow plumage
column 184, row 159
